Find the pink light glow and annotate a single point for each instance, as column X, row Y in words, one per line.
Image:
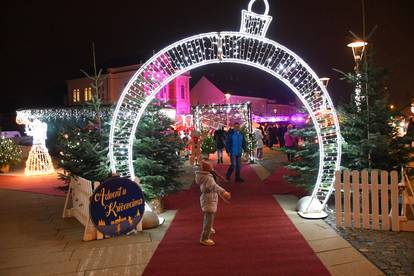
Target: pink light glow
column 297, row 118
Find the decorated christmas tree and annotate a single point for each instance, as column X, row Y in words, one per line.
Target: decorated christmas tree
column 156, row 149
column 209, row 145
column 10, row 153
column 305, row 163
column 370, row 137
column 84, row 147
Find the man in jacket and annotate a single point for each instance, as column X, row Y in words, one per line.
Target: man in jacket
column 235, row 144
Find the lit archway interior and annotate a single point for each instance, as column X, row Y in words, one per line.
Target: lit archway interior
column 250, row 47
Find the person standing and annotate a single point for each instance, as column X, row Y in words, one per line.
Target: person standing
column 281, row 135
column 290, row 143
column 210, row 191
column 220, row 137
column 258, row 137
column 270, row 134
column 235, row 143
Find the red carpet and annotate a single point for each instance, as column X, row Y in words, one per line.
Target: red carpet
column 254, row 236
column 48, row 185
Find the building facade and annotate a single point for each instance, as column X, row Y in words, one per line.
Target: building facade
column 205, row 92
column 176, row 93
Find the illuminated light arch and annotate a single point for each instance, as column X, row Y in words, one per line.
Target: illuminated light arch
column 248, row 47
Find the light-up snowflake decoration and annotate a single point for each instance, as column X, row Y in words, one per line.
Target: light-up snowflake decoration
column 247, row 47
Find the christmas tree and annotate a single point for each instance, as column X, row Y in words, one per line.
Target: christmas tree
column 209, row 145
column 305, row 164
column 370, row 140
column 83, row 147
column 156, row 151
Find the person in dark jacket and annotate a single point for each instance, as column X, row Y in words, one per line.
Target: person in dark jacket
column 220, row 138
column 235, row 144
column 281, row 135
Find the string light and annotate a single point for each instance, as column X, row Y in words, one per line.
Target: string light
column 57, row 114
column 248, row 47
column 39, row 161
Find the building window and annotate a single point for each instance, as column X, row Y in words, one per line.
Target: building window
column 182, row 92
column 76, row 95
column 87, row 94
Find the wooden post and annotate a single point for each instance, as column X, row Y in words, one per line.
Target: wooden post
column 384, row 201
column 356, row 207
column 67, row 212
column 374, row 199
column 338, row 198
column 395, row 220
column 365, row 199
column 347, row 199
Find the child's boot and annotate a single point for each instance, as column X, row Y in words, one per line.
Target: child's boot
column 208, row 242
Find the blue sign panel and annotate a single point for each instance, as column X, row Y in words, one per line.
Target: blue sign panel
column 117, row 206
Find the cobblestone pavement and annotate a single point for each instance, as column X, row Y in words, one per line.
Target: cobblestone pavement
column 392, row 252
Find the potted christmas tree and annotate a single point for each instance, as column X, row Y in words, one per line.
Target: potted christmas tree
column 208, row 146
column 10, row 154
column 157, row 163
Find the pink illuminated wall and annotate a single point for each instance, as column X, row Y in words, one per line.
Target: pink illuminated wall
column 176, row 93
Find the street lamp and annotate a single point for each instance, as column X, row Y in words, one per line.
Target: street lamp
column 325, row 81
column 227, row 96
column 358, row 50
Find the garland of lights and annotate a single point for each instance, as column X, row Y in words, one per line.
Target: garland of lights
column 248, row 47
column 39, row 161
column 202, row 113
column 56, row 114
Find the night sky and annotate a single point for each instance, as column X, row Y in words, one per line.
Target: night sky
column 47, row 42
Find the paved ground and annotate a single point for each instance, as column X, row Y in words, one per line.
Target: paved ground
column 35, row 240
column 338, row 256
column 392, row 252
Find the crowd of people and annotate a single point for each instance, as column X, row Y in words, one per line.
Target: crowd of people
column 271, row 135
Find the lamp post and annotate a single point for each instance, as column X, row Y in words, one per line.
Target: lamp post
column 358, row 51
column 325, row 81
column 227, row 96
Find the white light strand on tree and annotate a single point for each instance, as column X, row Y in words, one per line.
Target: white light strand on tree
column 246, row 47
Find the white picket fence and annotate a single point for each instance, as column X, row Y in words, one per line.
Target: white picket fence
column 371, row 200
column 80, row 191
